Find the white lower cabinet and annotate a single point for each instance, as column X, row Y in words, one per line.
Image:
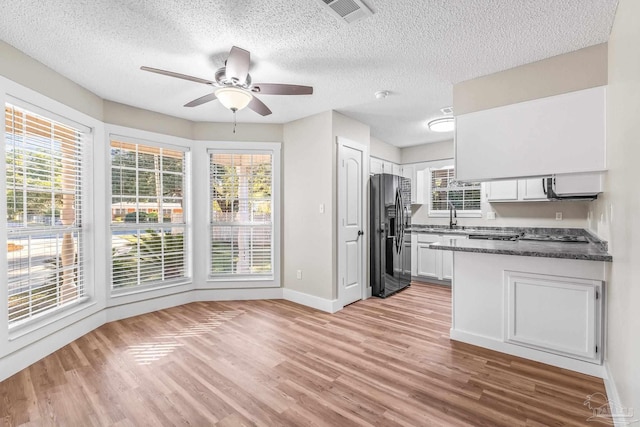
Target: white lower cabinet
column 406, row 257
column 553, row 313
column 432, row 263
column 428, row 260
column 545, row 309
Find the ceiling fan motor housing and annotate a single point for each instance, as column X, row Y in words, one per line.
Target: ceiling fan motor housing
column 222, row 80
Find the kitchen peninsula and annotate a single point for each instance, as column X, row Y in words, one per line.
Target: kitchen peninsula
column 541, row 300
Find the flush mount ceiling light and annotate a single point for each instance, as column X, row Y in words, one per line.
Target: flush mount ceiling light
column 233, row 98
column 444, row 124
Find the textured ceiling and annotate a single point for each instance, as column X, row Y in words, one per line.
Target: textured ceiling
column 416, row 49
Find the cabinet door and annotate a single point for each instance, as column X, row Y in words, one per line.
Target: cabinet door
column 517, row 139
column 375, row 166
column 429, row 260
column 414, row 254
column 534, row 189
column 498, row 191
column 556, row 314
column 395, row 169
column 447, row 257
column 406, row 258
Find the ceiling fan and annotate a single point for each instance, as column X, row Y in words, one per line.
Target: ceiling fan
column 233, row 85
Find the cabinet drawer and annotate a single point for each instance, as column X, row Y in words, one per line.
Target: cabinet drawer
column 428, row 238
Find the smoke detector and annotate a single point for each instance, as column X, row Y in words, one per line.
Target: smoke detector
column 348, row 11
column 381, row 94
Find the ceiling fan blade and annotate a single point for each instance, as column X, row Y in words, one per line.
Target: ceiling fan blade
column 178, row 75
column 237, row 66
column 259, row 107
column 201, row 100
column 281, row 89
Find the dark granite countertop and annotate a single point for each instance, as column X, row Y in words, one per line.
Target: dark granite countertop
column 595, row 250
column 585, row 251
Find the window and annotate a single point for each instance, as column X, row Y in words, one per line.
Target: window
column 444, row 189
column 242, row 225
column 148, row 221
column 44, row 213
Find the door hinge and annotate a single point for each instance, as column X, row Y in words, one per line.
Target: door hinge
column 597, row 294
column 596, row 349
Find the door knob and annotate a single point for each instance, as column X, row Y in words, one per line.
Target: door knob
column 360, row 232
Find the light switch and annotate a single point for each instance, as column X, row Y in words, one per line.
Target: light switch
column 321, row 207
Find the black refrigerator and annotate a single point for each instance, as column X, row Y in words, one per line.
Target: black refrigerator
column 389, row 222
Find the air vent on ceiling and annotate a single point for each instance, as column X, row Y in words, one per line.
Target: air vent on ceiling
column 348, row 11
column 447, row 110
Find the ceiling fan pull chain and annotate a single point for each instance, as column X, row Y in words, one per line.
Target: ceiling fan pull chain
column 234, row 121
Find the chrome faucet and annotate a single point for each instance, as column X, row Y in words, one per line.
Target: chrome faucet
column 453, row 216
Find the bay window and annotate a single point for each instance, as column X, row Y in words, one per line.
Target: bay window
column 44, row 206
column 148, row 220
column 241, row 214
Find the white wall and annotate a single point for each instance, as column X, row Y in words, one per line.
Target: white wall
column 28, row 72
column 580, row 69
column 427, row 152
column 382, row 150
column 258, row 132
column 308, row 180
column 617, row 216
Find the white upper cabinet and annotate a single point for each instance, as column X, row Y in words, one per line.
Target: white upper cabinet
column 375, row 166
column 533, row 188
column 502, row 191
column 554, row 135
column 577, row 184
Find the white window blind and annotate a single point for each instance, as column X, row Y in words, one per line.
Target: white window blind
column 241, row 213
column 44, row 213
column 148, row 220
column 444, row 189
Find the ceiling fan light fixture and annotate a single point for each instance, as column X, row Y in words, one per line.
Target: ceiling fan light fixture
column 233, row 98
column 444, row 124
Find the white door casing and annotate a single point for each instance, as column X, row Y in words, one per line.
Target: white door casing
column 352, row 177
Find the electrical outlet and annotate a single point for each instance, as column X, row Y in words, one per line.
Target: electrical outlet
column 558, row 216
column 491, row 215
column 299, row 274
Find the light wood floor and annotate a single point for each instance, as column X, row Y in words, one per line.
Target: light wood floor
column 274, row 363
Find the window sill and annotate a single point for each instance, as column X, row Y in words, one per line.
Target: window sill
column 30, row 326
column 144, row 289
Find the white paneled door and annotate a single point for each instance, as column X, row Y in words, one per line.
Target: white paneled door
column 351, row 203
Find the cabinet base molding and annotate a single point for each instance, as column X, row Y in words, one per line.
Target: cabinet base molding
column 587, row 368
column 421, row 279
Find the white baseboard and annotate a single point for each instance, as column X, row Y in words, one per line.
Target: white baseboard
column 136, row 308
column 20, row 359
column 322, row 304
column 529, row 353
column 237, row 294
column 612, row 393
